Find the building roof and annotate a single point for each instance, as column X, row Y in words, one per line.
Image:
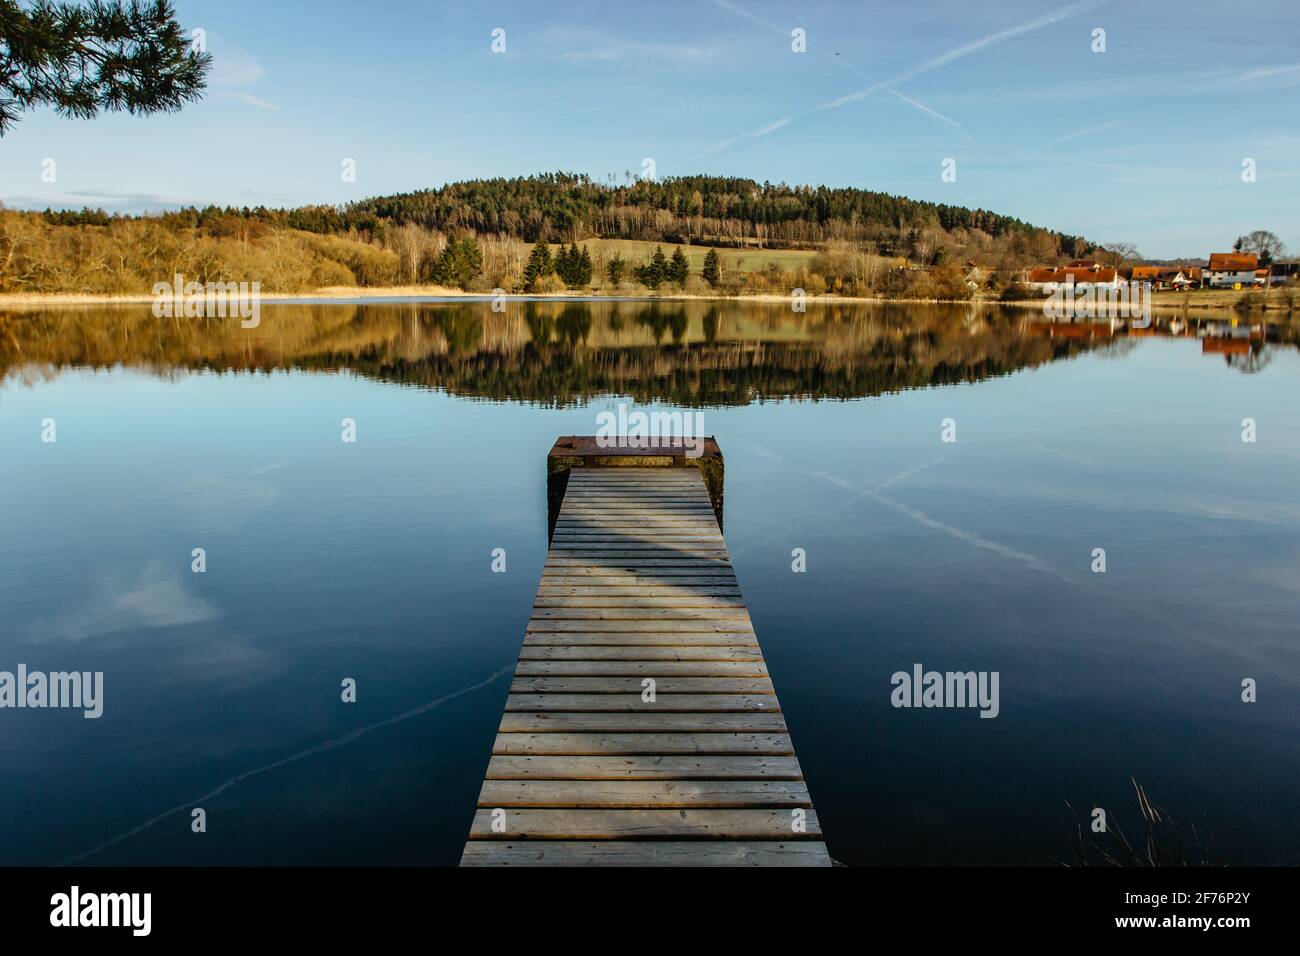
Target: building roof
column 1233, row 262
column 1081, row 274
column 1148, row 273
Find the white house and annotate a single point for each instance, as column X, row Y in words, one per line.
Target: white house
column 1228, row 270
column 1086, row 275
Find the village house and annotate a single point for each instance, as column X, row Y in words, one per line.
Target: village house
column 1161, row 277
column 1085, row 273
column 1230, row 270
column 976, row 277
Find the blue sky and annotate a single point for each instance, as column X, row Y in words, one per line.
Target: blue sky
column 1142, row 143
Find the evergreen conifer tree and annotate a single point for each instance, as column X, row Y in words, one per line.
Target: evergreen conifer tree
column 679, row 267
column 712, row 271
column 539, row 264
column 84, row 58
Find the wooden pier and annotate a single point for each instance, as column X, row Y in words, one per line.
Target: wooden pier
column 641, row 728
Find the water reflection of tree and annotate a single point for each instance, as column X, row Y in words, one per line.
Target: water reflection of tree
column 693, row 353
column 660, row 320
column 574, row 323
column 1256, row 360
column 711, row 321
column 541, row 326
column 462, row 327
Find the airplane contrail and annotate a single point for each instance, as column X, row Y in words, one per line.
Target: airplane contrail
column 956, row 53
column 311, row 751
column 964, row 50
column 740, row 11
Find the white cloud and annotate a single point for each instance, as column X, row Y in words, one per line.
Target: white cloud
column 234, row 68
column 252, row 100
column 156, row 598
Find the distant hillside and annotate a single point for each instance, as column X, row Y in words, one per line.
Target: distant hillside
column 720, row 211
column 479, row 236
column 710, row 210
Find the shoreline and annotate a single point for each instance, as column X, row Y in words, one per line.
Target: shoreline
column 1219, row 304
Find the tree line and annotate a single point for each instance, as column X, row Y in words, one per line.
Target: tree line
column 722, row 210
column 717, row 211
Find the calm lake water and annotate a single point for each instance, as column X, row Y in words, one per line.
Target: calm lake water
column 371, row 560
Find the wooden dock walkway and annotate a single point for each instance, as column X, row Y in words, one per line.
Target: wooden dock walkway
column 589, row 767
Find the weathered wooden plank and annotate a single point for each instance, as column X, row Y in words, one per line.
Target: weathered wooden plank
column 638, row 513
column 630, row 489
column 651, row 567
column 567, row 537
column 617, row 473
column 582, row 498
column 677, row 599
column 670, row 767
column 620, row 524
column 622, row 545
column 659, row 645
column 632, row 703
column 645, row 853
column 641, row 824
column 665, row 685
column 663, row 550
column 754, row 722
column 644, row 793
column 661, row 614
column 660, row 478
column 656, row 531
column 631, row 497
column 660, row 564
column 638, row 542
column 653, row 534
column 639, row 652
column 590, row 498
column 626, row 668
column 620, row 744
column 658, row 589
column 668, row 481
column 614, row 577
column 688, row 626
column 637, row 557
column 606, row 575
column 614, row 527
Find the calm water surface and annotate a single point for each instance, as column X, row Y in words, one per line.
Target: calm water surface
column 328, row 560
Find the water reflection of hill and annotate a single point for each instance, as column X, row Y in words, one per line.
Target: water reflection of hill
column 561, row 353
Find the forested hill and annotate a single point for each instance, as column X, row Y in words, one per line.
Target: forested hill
column 698, row 210
column 722, row 210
